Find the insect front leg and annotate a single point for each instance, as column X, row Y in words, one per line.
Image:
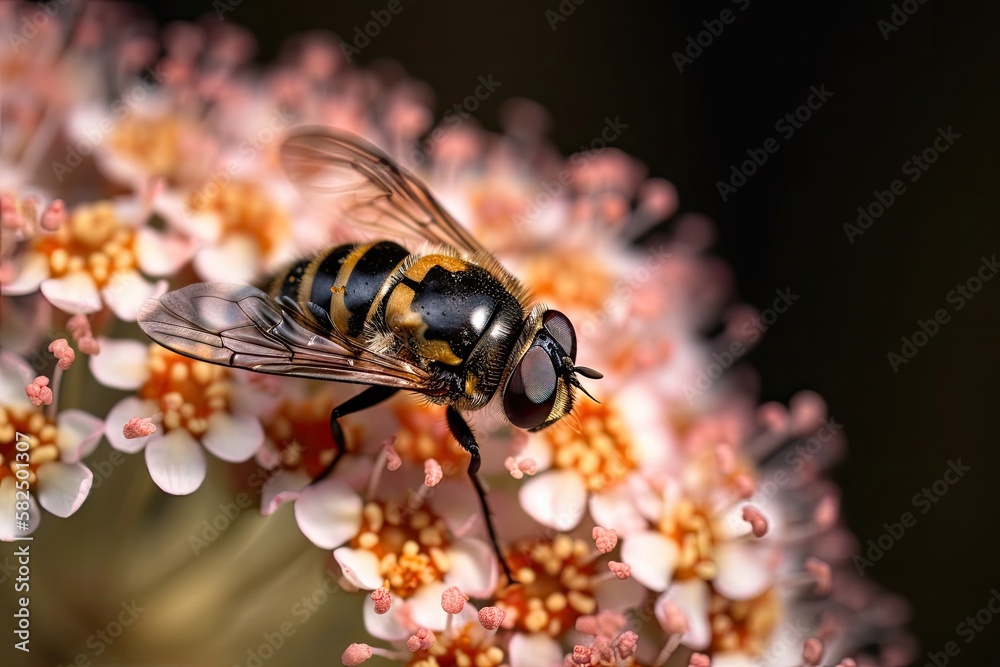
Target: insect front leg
column 460, row 429
column 368, row 398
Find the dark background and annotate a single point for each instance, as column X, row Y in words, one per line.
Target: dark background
column 784, row 228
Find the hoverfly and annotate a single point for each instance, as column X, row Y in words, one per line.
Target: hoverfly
column 449, row 323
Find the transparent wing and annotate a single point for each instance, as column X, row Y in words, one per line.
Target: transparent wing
column 240, row 326
column 369, row 189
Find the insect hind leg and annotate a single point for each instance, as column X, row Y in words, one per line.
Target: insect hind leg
column 460, row 429
column 370, row 397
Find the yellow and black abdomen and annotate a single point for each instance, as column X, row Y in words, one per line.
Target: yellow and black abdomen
column 457, row 316
column 346, row 281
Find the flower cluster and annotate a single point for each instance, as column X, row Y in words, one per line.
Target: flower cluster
column 654, row 526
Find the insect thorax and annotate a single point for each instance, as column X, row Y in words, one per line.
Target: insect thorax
column 444, row 313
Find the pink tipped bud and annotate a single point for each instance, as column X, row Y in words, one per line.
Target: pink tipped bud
column 812, row 652
column 510, row 463
column 355, row 654
column 527, row 466
column 820, row 570
column 827, row 512
column 605, row 538
column 491, row 617
column 620, row 570
column 626, row 643
column 63, row 352
column 382, row 600
column 745, row 486
column 700, row 660
column 582, row 654
column 587, row 625
column 89, row 345
column 139, row 427
column 727, row 458
column 757, row 521
column 38, row 391
column 671, row 618
column 392, row 460
column 601, row 648
column 421, row 640
column 79, row 326
column 54, row 216
column 433, row 474
column 453, row 600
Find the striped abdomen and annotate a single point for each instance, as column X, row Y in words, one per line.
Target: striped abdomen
column 348, row 281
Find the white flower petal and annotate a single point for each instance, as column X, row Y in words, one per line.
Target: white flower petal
column 118, row 416
column 161, row 254
column 739, row 659
column 73, row 293
column 473, row 567
column 233, row 438
column 652, row 557
column 176, row 462
column 425, row 606
column 127, row 290
column 31, row 270
column 328, row 513
column 614, row 507
column 392, row 626
column 744, row 570
column 539, row 450
column 692, row 598
column 281, row 487
column 653, row 444
column 121, row 364
column 534, row 650
column 360, row 567
column 15, row 375
column 62, row 487
column 234, row 260
column 77, row 434
column 556, row 498
column 9, row 515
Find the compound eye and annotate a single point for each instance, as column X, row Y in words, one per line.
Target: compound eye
column 561, row 329
column 531, row 390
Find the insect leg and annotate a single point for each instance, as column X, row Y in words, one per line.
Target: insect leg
column 369, row 397
column 460, row 429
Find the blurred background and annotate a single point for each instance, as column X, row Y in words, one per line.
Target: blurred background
column 690, row 119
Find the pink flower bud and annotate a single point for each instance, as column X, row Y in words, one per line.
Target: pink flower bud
column 382, row 599
column 54, row 216
column 626, row 643
column 700, row 660
column 491, row 617
column 453, row 600
column 820, row 570
column 582, row 654
column 812, row 652
column 392, row 460
column 63, row 352
column 78, row 326
column 355, row 654
column 433, row 474
column 139, row 427
column 421, row 640
column 89, row 345
column 620, row 570
column 38, row 391
column 757, row 521
column 671, row 618
column 605, row 538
